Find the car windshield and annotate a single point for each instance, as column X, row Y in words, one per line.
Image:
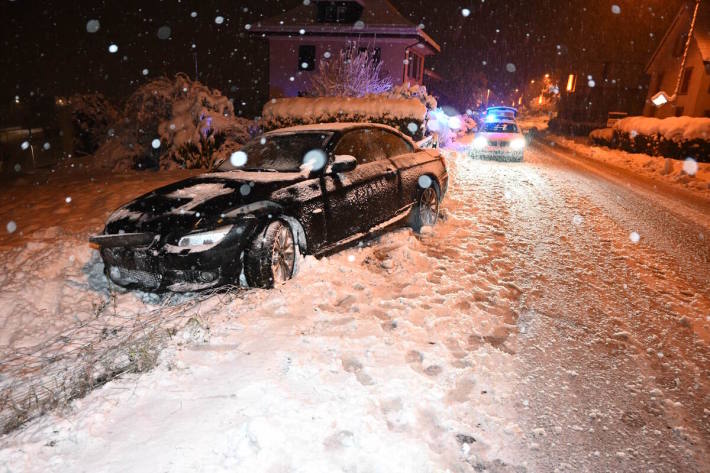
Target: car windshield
column 276, row 153
column 500, row 127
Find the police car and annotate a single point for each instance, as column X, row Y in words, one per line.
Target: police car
column 499, row 137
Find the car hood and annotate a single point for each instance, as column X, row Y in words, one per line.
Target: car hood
column 198, row 202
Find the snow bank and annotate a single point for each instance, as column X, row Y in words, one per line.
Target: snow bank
column 687, row 174
column 396, row 112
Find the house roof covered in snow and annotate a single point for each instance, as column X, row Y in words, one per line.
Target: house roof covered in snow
column 377, row 18
column 701, row 34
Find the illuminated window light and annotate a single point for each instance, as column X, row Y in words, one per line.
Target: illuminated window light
column 571, row 83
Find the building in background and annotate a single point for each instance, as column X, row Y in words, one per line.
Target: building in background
column 693, row 97
column 301, row 37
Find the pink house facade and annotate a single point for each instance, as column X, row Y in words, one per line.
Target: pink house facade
column 301, row 37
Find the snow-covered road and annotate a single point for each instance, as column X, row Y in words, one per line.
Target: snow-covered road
column 557, row 319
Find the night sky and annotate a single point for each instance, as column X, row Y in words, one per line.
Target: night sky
column 48, row 52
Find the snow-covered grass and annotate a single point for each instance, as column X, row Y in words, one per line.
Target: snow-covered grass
column 686, row 174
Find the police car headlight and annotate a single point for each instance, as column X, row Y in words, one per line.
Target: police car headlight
column 518, row 144
column 480, row 142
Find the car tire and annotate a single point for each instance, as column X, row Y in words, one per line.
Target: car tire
column 271, row 257
column 426, row 209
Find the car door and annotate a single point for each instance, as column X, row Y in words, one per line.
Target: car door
column 366, row 196
column 411, row 164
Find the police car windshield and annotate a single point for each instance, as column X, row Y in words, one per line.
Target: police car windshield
column 501, row 127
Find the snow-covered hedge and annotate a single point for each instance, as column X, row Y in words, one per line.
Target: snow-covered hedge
column 675, row 137
column 399, row 113
column 175, row 122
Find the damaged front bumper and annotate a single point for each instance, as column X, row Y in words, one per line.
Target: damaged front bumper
column 156, row 269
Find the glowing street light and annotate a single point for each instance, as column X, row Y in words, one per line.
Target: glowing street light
column 662, row 98
column 571, row 83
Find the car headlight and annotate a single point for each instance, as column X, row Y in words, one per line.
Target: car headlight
column 480, row 142
column 518, row 144
column 205, row 238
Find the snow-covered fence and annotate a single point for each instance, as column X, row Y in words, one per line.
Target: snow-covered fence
column 407, row 115
column 674, row 137
column 68, row 365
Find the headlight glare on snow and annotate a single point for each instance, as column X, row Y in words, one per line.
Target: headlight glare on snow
column 205, row 238
column 480, row 142
column 518, row 144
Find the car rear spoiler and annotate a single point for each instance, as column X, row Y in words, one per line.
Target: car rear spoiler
column 123, row 239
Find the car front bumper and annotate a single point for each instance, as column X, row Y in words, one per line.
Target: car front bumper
column 498, row 154
column 159, row 271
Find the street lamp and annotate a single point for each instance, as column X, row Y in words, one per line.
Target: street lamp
column 662, row 98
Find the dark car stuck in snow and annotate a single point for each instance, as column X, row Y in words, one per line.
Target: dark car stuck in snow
column 308, row 190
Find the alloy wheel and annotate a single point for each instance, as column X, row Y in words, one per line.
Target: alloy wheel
column 283, row 256
column 428, row 207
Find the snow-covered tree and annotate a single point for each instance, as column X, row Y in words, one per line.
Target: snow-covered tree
column 353, row 72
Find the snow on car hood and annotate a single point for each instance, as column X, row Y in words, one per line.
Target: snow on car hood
column 197, row 201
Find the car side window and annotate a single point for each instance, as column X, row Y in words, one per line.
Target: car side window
column 363, row 144
column 394, row 145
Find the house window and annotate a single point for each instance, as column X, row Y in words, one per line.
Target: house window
column 414, row 66
column 373, row 53
column 339, row 12
column 680, row 45
column 685, row 80
column 679, row 111
column 707, row 113
column 306, row 58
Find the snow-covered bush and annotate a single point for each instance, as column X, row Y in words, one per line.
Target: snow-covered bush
column 413, row 91
column 602, row 137
column 353, row 72
column 92, row 116
column 407, row 115
column 674, row 137
column 176, row 122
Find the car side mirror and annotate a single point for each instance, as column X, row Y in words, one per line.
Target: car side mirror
column 343, row 163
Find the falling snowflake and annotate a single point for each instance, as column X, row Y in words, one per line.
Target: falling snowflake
column 591, row 83
column 577, row 219
column 247, row 26
column 92, row 26
column 424, row 182
column 113, row 48
column 155, row 143
column 245, row 189
column 465, row 12
column 615, row 9
column 301, row 31
column 315, row 159
column 164, row 32
column 17, row 167
column 68, row 200
column 219, row 20
column 25, row 145
column 412, row 127
column 238, row 158
column 145, row 72
column 690, row 166
column 359, row 25
column 46, row 146
column 351, row 258
column 634, row 237
column 510, row 67
column 193, row 14
column 11, row 227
